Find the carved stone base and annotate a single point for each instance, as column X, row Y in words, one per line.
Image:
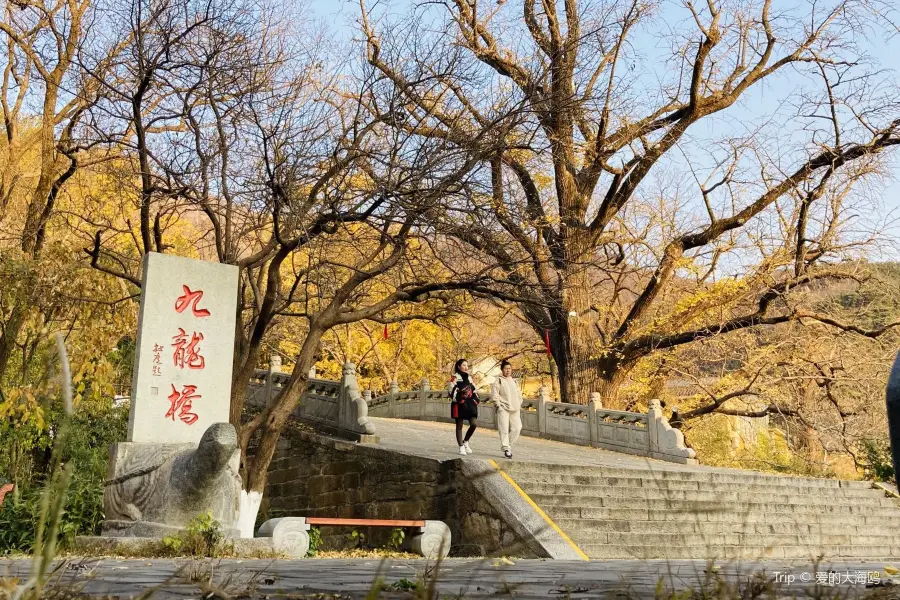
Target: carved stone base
column 433, row 542
column 149, row 546
column 154, row 490
column 289, row 535
column 138, row 529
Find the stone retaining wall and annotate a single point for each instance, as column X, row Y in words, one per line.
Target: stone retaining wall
column 320, row 476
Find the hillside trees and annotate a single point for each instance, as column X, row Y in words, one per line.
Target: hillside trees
column 647, row 196
column 44, row 286
column 822, row 385
column 43, row 98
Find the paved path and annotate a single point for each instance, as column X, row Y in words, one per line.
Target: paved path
column 438, row 441
column 457, row 578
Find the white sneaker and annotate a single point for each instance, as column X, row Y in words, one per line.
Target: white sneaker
column 462, row 450
column 467, row 448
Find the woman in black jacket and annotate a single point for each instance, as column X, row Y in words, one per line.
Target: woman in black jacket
column 463, row 404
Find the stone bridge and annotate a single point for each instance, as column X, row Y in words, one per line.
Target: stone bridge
column 585, row 483
column 340, row 407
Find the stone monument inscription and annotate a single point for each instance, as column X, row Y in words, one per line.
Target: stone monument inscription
column 182, row 368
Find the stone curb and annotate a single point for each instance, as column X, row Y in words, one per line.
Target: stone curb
column 518, row 513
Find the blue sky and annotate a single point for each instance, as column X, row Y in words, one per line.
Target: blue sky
column 340, row 16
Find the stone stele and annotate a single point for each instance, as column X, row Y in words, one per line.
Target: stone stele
column 185, row 349
column 153, row 490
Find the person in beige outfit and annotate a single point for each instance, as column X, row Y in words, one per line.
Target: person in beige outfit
column 508, row 398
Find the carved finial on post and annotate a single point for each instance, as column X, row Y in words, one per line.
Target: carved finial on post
column 395, row 388
column 596, row 400
column 544, row 393
column 275, row 363
column 423, row 398
column 312, row 372
column 367, row 396
column 349, row 369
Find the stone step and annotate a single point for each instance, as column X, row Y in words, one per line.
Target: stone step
column 621, row 513
column 706, row 475
column 685, row 485
column 757, row 514
column 808, row 533
column 726, row 527
column 883, row 507
column 720, row 553
column 626, row 538
column 774, row 497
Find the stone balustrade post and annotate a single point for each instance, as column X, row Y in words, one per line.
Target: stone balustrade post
column 367, row 396
column 543, row 398
column 423, row 398
column 274, row 367
column 392, row 400
column 312, row 372
column 593, row 406
column 665, row 441
column 348, row 372
column 353, row 413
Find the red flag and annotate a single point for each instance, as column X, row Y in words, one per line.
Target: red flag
column 385, row 331
column 547, row 342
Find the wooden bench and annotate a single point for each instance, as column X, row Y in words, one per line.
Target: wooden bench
column 290, row 535
column 326, row 522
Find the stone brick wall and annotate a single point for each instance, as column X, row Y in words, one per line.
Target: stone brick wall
column 320, row 476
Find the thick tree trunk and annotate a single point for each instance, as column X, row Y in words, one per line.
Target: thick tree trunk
column 10, row 334
column 611, row 374
column 579, row 377
column 243, row 371
column 583, row 365
column 574, row 340
column 256, row 467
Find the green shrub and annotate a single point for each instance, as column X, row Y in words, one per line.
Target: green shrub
column 315, row 540
column 92, row 430
column 398, row 534
column 18, row 517
column 203, row 536
column 82, row 515
column 358, row 537
column 879, row 461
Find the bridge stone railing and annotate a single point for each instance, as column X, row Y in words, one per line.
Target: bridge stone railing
column 587, row 425
column 336, row 406
column 340, row 406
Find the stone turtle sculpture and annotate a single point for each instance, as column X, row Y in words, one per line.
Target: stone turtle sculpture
column 154, row 490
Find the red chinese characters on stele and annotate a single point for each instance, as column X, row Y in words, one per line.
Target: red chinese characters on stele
column 191, row 299
column 187, row 354
column 180, row 403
